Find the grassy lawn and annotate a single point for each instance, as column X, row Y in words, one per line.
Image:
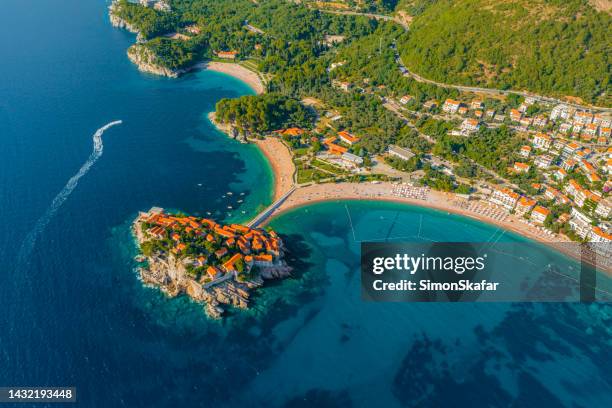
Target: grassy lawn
column 328, row 166
column 310, row 174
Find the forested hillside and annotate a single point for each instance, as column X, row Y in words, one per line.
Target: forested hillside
column 558, row 47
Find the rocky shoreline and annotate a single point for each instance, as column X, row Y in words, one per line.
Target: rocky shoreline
column 141, row 56
column 145, row 60
column 228, row 129
column 170, row 273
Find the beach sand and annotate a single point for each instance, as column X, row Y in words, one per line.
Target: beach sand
column 280, row 160
column 383, row 192
column 237, row 71
column 446, row 202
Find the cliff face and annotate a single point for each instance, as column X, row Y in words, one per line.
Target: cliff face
column 167, row 273
column 140, row 55
column 119, row 22
column 145, row 60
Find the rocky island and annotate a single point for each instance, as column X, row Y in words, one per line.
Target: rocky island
column 211, row 263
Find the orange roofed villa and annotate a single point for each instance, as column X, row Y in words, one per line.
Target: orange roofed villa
column 212, row 263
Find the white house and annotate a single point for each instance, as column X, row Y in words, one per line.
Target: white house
column 505, row 197
column 539, row 214
column 604, row 208
column 470, row 125
column 543, row 162
column 400, row 152
column 542, row 141
column 451, row 106
column 525, row 151
column 580, row 223
column 405, row 99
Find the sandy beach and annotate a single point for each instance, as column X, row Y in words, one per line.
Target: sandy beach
column 280, row 160
column 383, row 191
column 237, row 71
column 278, row 156
column 447, row 202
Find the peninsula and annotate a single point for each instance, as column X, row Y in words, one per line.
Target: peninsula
column 211, row 263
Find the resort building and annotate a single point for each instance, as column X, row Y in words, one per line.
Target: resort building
column 569, row 164
column 580, row 223
column 515, row 115
column 598, row 235
column 565, row 128
column 539, row 214
column 540, row 121
column 551, row 193
column 351, row 159
column 227, row 54
column 470, row 125
column 294, row 131
column 525, row 151
column 347, row 138
column 591, row 129
column 451, row 106
column 524, row 205
column 560, row 174
column 593, row 177
column 521, row 167
column 543, row 162
column 405, row 99
column 505, row 197
column 542, row 141
column 604, row 208
column 561, row 112
column 583, row 118
column 525, row 122
column 400, row 152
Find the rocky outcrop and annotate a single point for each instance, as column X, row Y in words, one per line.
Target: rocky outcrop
column 119, row 22
column 228, row 128
column 146, row 61
column 173, row 273
column 275, row 272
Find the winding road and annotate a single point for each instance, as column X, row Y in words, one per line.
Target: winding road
column 465, row 88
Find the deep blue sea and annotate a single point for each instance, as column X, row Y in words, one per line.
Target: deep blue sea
column 73, row 312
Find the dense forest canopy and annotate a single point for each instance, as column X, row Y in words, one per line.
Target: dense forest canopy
column 263, row 113
column 558, row 47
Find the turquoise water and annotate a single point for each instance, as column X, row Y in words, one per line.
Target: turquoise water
column 393, row 354
column 74, row 312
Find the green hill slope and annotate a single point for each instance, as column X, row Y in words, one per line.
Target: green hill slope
column 555, row 47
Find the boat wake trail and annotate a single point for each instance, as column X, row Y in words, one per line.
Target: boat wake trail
column 28, row 244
